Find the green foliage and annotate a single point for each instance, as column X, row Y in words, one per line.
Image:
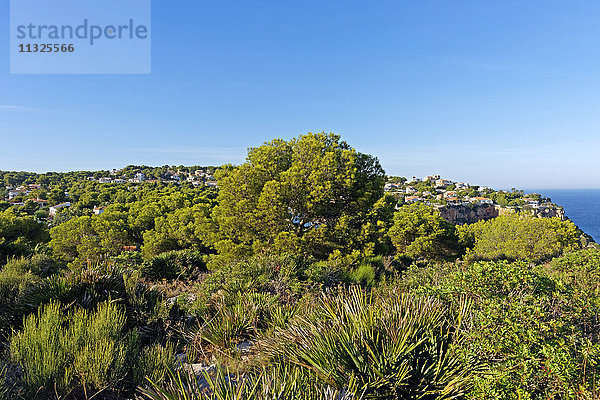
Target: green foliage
column 579, row 272
column 537, row 335
column 83, row 353
column 276, row 274
column 244, row 300
column 19, row 235
column 298, row 218
column 388, row 346
column 87, row 240
column 327, row 273
column 4, row 387
column 183, row 264
column 419, row 231
column 277, row 383
column 38, row 264
column 76, row 351
column 365, row 275
column 310, row 196
column 86, row 289
column 154, row 363
column 182, row 229
column 16, row 277
column 520, row 236
column 228, row 326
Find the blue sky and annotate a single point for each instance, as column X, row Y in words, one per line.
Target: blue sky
column 503, row 93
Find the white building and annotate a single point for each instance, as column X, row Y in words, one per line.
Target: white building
column 18, row 192
column 55, row 209
column 443, row 182
column 481, row 200
column 99, row 210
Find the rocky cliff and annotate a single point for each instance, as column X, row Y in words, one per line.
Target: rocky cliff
column 468, row 214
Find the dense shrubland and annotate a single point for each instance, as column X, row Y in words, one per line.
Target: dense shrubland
column 298, row 278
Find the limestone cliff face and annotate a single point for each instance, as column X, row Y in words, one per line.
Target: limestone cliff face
column 460, row 214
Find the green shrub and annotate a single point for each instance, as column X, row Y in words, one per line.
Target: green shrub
column 365, row 275
column 276, row 383
column 38, row 264
column 20, row 274
column 327, row 274
column 14, row 282
column 4, row 387
column 86, row 289
column 275, row 274
column 519, row 236
column 537, row 336
column 183, row 264
column 154, row 363
column 82, row 353
column 228, row 327
column 76, row 351
column 19, row 235
column 393, row 346
column 580, row 271
column 420, row 232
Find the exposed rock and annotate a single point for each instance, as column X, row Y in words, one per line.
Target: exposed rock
column 198, row 369
column 468, row 214
column 244, row 347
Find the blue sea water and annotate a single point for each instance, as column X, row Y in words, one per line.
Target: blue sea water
column 582, row 206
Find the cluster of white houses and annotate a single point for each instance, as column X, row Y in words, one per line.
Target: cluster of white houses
column 446, row 191
column 22, row 191
column 198, row 178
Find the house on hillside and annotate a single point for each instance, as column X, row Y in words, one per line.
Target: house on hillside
column 99, row 210
column 481, row 200
column 17, row 192
column 531, row 202
column 443, row 182
column 55, row 209
column 412, row 199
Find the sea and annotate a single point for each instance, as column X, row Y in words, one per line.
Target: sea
column 582, row 206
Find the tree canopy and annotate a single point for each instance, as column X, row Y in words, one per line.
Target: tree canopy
column 419, row 231
column 520, row 236
column 306, row 195
column 19, row 234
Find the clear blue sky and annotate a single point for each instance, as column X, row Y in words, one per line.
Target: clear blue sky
column 503, row 93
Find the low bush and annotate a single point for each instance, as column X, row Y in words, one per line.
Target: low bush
column 392, row 346
column 80, row 353
column 4, row 387
column 275, row 274
column 86, row 289
column 184, row 264
column 327, row 274
column 38, row 264
column 365, row 275
column 519, row 236
column 537, row 335
column 419, row 232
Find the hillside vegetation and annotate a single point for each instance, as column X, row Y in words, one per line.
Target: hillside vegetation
column 297, row 278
